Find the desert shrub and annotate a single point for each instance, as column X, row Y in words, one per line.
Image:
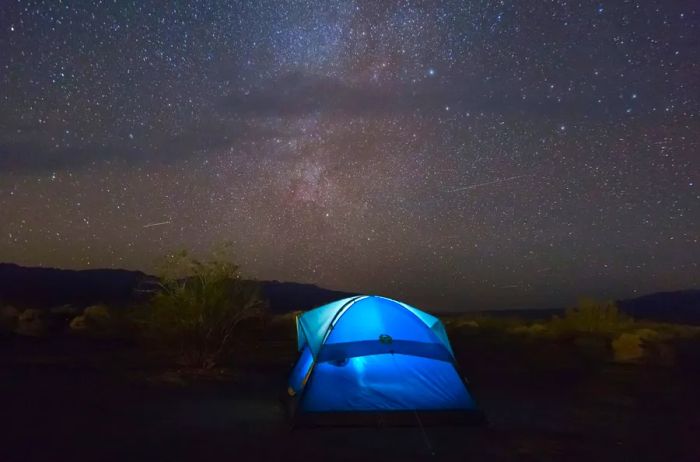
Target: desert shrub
column 198, row 308
column 531, row 329
column 647, row 334
column 491, row 323
column 636, row 345
column 97, row 314
column 628, row 347
column 468, row 323
column 657, row 346
column 78, row 324
column 32, row 322
column 102, row 322
column 666, row 331
column 592, row 317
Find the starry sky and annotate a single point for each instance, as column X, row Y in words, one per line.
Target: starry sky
column 452, row 154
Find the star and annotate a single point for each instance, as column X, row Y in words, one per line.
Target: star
column 433, row 151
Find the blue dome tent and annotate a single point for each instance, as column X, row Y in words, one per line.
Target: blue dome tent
column 370, row 359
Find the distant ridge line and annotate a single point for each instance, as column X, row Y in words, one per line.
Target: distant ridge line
column 38, row 287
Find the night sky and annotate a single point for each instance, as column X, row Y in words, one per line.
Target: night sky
column 455, row 155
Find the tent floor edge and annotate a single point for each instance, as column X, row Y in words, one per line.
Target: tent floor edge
column 389, row 418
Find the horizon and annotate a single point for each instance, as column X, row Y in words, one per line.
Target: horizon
column 449, row 154
column 442, row 311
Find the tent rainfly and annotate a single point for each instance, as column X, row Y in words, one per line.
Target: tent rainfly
column 373, row 360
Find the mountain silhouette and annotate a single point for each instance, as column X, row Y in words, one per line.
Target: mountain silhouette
column 30, row 287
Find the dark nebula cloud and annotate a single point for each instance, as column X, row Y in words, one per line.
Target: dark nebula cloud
column 457, row 155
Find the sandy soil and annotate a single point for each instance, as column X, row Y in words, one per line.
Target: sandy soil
column 77, row 400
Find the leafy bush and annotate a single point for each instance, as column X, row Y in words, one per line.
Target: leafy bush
column 592, row 317
column 33, row 322
column 535, row 329
column 198, row 308
column 102, row 322
column 483, row 322
column 97, row 314
column 644, row 344
column 628, row 347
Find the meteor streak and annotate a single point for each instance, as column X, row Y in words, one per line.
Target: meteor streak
column 487, row 183
column 151, row 225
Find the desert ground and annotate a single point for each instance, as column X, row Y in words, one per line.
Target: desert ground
column 76, row 398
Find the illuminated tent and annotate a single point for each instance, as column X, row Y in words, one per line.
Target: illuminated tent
column 370, row 359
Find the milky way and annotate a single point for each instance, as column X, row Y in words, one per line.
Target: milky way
column 456, row 155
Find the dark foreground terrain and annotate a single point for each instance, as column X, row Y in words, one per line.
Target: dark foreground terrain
column 67, row 398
